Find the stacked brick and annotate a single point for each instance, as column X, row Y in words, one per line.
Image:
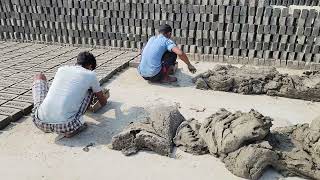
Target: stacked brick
column 233, row 31
column 294, row 2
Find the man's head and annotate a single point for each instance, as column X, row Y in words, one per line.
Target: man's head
column 87, row 60
column 166, row 30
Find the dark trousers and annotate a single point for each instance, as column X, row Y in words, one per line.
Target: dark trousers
column 168, row 59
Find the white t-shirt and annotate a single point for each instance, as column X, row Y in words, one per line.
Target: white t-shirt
column 69, row 88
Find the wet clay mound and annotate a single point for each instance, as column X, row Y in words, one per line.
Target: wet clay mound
column 262, row 80
column 243, row 141
column 226, row 132
column 251, row 161
column 188, row 138
column 298, row 150
column 155, row 133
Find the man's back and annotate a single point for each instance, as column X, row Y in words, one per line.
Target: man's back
column 150, row 64
column 69, row 88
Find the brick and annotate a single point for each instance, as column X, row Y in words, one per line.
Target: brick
column 5, row 96
column 2, row 101
column 301, row 64
column 256, row 61
column 277, row 63
column 13, row 91
column 13, row 114
column 25, row 107
column 261, row 62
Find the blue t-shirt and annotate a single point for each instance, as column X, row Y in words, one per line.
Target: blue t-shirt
column 150, row 64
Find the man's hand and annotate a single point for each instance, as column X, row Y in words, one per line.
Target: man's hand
column 99, row 100
column 103, row 96
column 184, row 58
column 192, row 69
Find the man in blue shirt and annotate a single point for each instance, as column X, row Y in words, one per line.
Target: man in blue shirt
column 159, row 56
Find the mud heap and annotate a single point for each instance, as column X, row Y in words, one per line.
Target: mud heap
column 262, row 80
column 244, row 142
column 155, row 133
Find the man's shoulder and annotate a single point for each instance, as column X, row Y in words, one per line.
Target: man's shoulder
column 166, row 40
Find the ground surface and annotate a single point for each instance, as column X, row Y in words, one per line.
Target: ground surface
column 28, row 153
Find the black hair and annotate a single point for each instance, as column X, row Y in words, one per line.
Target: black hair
column 86, row 58
column 165, row 28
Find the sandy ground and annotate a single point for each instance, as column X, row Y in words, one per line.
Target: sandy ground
column 27, row 153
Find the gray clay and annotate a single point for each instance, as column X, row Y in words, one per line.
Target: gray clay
column 251, row 161
column 298, row 150
column 188, row 138
column 243, row 141
column 262, row 80
column 225, row 132
column 155, row 133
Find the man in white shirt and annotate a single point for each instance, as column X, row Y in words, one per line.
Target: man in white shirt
column 60, row 109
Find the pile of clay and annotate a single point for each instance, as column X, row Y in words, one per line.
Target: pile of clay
column 261, row 80
column 244, row 142
column 154, row 133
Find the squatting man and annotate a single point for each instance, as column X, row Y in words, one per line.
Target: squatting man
column 60, row 109
column 158, row 58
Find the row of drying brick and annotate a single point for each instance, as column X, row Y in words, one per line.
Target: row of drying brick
column 265, row 54
column 270, row 20
column 232, row 28
column 284, row 63
column 209, row 13
column 296, row 51
column 78, row 25
column 121, row 4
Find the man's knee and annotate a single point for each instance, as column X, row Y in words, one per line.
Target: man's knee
column 40, row 76
column 169, row 58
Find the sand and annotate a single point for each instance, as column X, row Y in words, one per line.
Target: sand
column 28, row 153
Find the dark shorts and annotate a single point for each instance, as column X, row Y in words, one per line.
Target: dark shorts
column 168, row 59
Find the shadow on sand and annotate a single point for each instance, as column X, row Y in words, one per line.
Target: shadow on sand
column 13, row 124
column 101, row 131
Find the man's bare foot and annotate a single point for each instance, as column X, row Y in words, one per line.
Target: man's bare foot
column 80, row 129
column 169, row 79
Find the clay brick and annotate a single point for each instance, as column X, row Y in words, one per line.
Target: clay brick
column 13, row 114
column 13, row 91
column 24, row 98
column 25, row 107
column 5, row 96
column 278, row 63
column 2, row 101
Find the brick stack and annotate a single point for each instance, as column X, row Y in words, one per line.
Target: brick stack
column 233, row 31
column 294, row 2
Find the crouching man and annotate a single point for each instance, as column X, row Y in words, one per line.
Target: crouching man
column 60, row 109
column 158, row 58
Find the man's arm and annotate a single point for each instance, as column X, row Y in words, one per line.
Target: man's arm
column 184, row 58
